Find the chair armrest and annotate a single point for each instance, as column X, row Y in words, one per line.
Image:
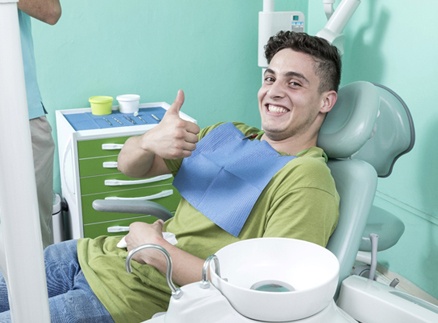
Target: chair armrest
column 137, row 207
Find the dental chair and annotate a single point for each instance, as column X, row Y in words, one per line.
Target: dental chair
column 394, row 136
column 351, row 130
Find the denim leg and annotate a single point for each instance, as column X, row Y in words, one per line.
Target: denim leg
column 4, row 302
column 78, row 305
column 71, row 299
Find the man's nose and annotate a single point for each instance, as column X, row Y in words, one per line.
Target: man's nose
column 276, row 90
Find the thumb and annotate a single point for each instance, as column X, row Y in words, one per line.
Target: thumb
column 159, row 223
column 177, row 104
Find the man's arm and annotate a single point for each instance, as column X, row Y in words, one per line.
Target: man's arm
column 48, row 11
column 143, row 156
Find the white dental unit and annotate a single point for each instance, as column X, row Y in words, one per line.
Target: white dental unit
column 225, row 295
column 27, row 293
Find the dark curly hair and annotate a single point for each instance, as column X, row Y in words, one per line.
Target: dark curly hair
column 327, row 58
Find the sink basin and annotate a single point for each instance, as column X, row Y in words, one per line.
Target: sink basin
column 276, row 279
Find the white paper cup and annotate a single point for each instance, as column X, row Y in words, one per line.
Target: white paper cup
column 128, row 103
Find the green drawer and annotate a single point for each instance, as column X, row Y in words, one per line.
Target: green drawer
column 96, row 184
column 101, row 229
column 95, row 166
column 93, row 148
column 92, row 216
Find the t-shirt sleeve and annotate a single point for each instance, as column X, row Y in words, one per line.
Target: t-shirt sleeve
column 308, row 208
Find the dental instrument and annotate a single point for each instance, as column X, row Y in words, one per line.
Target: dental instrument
column 155, row 117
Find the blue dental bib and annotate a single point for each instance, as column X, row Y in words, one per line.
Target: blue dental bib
column 226, row 174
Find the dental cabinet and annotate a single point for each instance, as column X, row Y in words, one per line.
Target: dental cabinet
column 88, row 146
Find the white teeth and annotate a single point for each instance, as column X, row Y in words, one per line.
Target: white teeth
column 276, row 109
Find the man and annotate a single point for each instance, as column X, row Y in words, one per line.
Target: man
column 295, row 195
column 48, row 11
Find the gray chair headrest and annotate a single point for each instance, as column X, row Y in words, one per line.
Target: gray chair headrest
column 368, row 122
column 350, row 123
column 393, row 134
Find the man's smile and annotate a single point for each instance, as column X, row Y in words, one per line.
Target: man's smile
column 276, row 108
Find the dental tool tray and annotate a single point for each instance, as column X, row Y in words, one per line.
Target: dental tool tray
column 148, row 114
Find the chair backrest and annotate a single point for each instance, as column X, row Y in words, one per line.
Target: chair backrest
column 345, row 130
column 356, row 182
column 364, row 134
column 348, row 128
column 393, row 136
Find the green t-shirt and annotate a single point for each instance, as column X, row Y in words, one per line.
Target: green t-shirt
column 299, row 202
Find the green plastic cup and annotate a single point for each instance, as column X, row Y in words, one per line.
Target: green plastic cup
column 101, row 105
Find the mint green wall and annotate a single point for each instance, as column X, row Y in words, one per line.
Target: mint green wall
column 154, row 48
column 395, row 44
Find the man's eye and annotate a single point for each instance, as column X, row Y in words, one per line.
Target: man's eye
column 269, row 79
column 294, row 84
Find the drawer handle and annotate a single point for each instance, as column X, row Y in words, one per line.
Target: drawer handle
column 119, row 182
column 117, row 228
column 162, row 194
column 112, row 146
column 110, row 164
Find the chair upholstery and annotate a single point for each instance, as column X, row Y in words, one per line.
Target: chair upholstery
column 356, row 182
column 387, row 226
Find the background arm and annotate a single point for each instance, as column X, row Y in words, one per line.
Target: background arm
column 48, row 11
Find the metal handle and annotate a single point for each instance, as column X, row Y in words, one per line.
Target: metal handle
column 204, row 282
column 176, row 292
column 117, row 228
column 118, row 182
column 159, row 195
column 109, row 164
column 112, row 146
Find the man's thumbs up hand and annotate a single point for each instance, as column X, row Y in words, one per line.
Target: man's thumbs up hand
column 173, row 137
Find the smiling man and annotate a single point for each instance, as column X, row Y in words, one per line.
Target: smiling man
column 298, row 199
column 299, row 88
column 237, row 182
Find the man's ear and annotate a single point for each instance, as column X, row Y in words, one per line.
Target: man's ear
column 329, row 100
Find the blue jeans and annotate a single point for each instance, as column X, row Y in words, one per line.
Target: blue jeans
column 71, row 299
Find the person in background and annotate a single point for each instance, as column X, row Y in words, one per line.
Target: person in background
column 87, row 280
column 43, row 147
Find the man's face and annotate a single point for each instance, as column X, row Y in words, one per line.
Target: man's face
column 289, row 99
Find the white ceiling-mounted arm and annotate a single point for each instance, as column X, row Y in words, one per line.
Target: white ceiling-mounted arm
column 328, row 7
column 268, row 5
column 332, row 31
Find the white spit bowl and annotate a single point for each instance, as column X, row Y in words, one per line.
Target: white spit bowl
column 300, row 278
